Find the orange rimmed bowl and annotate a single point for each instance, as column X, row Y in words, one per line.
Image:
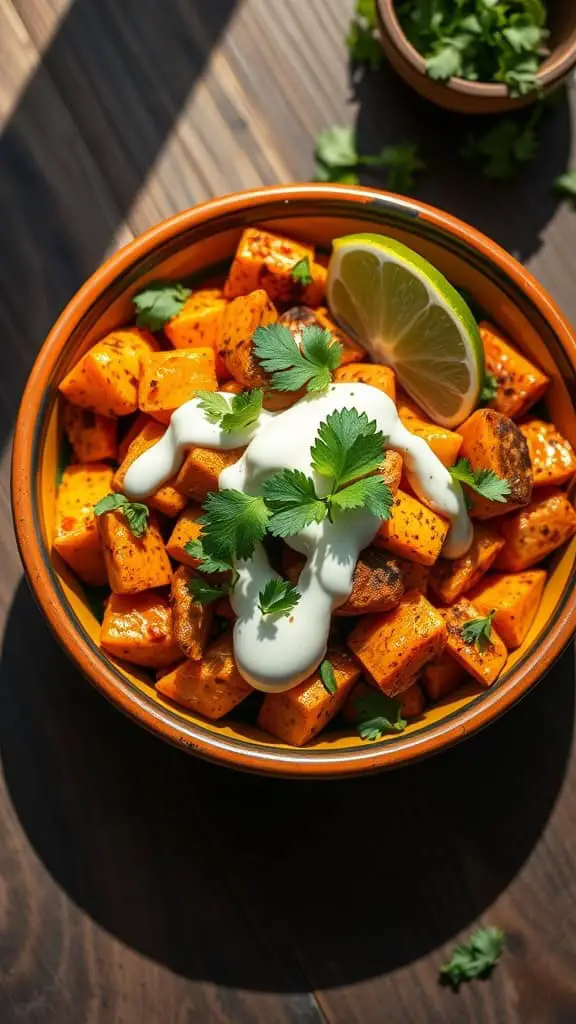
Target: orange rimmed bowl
column 199, row 242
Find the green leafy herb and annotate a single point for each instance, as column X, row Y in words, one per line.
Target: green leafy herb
column 237, row 413
column 371, row 493
column 506, row 147
column 565, row 185
column 362, row 42
column 278, row 597
column 478, row 632
column 301, row 272
column 338, row 159
column 338, row 174
column 348, row 446
column 327, row 676
column 336, row 146
column 483, row 481
column 489, row 388
column 204, row 592
column 292, row 367
column 195, row 549
column 291, row 497
column 402, row 161
column 158, row 303
column 135, row 512
column 377, row 714
column 232, row 524
column 476, row 958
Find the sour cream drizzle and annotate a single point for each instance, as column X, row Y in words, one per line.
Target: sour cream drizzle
column 276, row 653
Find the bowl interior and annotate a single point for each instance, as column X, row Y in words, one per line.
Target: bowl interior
column 200, row 250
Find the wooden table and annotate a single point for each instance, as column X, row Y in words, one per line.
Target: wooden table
column 137, row 884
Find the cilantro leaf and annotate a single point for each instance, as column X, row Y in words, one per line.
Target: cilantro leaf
column 292, row 368
column 489, row 388
column 236, row 413
column 206, row 593
column 402, row 161
column 291, row 497
column 476, row 958
column 327, row 676
column 506, row 146
column 362, row 42
column 278, row 597
column 371, row 493
column 565, row 185
column 195, row 549
column 158, row 303
column 301, row 272
column 348, row 446
column 342, row 175
column 336, row 146
column 376, row 714
column 233, row 524
column 483, row 481
column 135, row 512
column 478, row 632
column 213, row 405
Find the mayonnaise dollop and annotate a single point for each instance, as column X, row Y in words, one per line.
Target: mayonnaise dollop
column 275, row 653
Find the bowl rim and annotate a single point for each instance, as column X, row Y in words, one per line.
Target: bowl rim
column 552, row 71
column 96, row 667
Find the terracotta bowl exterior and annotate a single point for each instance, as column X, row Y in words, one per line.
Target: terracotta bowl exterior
column 479, row 97
column 199, row 241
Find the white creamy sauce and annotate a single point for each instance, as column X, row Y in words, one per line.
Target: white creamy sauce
column 275, row 653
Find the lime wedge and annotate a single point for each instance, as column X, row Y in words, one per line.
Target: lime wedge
column 407, row 315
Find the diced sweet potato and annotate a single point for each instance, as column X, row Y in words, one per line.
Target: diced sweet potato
column 210, row 687
column 411, row 701
column 552, row 456
column 186, row 528
column 375, row 374
column 520, row 383
column 200, row 321
column 444, row 443
column 224, row 610
column 133, row 563
column 138, row 628
column 537, row 530
column 413, row 531
column 442, row 676
column 414, row 576
column 200, row 471
column 166, row 499
column 297, row 715
column 191, row 620
column 484, row 664
column 171, row 378
column 265, row 260
column 135, row 426
column 377, row 585
column 76, row 537
column 391, row 470
column 392, row 648
column 92, row 436
column 232, row 387
column 352, row 352
column 106, row 378
column 241, row 319
column 450, row 578
column 515, row 597
column 492, row 441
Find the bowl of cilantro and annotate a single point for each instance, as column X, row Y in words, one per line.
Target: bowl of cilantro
column 479, row 56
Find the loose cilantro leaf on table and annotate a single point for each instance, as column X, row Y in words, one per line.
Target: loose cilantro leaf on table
column 362, row 42
column 206, row 593
column 291, row 497
column 489, row 388
column 135, row 512
column 475, row 958
column 293, row 367
column 338, row 159
column 565, row 186
column 483, row 481
column 478, row 632
column 301, row 272
column 376, row 714
column 402, row 161
column 237, row 413
column 505, row 148
column 278, row 597
column 232, row 524
column 327, row 676
column 158, row 303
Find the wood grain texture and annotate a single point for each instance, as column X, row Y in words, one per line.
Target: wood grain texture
column 137, row 884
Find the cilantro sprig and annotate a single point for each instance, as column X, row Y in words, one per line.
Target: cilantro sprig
column 489, row 388
column 482, row 481
column 362, row 41
column 376, row 714
column 159, row 302
column 293, row 367
column 207, row 563
column 478, row 632
column 338, row 159
column 233, row 524
column 237, row 413
column 278, row 597
column 301, row 273
column 565, row 186
column 475, row 958
column 135, row 513
column 328, row 677
column 204, row 592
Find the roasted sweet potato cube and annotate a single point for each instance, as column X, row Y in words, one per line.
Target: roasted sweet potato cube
column 76, row 537
column 483, row 662
column 552, row 456
column 392, row 648
column 515, row 598
column 187, row 528
column 413, row 531
column 138, row 628
column 241, row 318
column 444, row 443
column 492, row 441
column 200, row 471
column 192, row 621
column 210, row 687
column 520, row 383
column 166, row 499
column 265, row 260
column 450, row 578
column 133, row 563
column 537, row 530
column 411, row 701
column 375, row 374
column 391, row 470
column 106, row 378
column 93, row 437
column 442, row 676
column 134, row 427
column 377, row 585
column 298, row 715
column 414, row 576
column 171, row 378
column 199, row 323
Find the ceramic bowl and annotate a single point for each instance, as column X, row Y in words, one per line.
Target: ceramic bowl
column 479, row 97
column 199, row 242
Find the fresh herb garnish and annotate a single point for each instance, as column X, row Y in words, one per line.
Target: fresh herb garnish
column 475, row 958
column 291, row 367
column 208, row 563
column 478, row 632
column 402, row 162
column 301, row 272
column 291, row 497
column 362, row 42
column 489, row 388
column 328, row 678
column 232, row 525
column 483, row 481
column 377, row 714
column 135, row 512
column 237, row 413
column 204, row 592
column 506, row 147
column 565, row 186
column 278, row 597
column 348, row 446
column 338, row 159
column 158, row 303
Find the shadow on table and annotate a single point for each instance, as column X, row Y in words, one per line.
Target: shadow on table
column 265, row 884
column 513, row 213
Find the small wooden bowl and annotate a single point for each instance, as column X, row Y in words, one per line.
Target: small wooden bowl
column 200, row 242
column 479, row 97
